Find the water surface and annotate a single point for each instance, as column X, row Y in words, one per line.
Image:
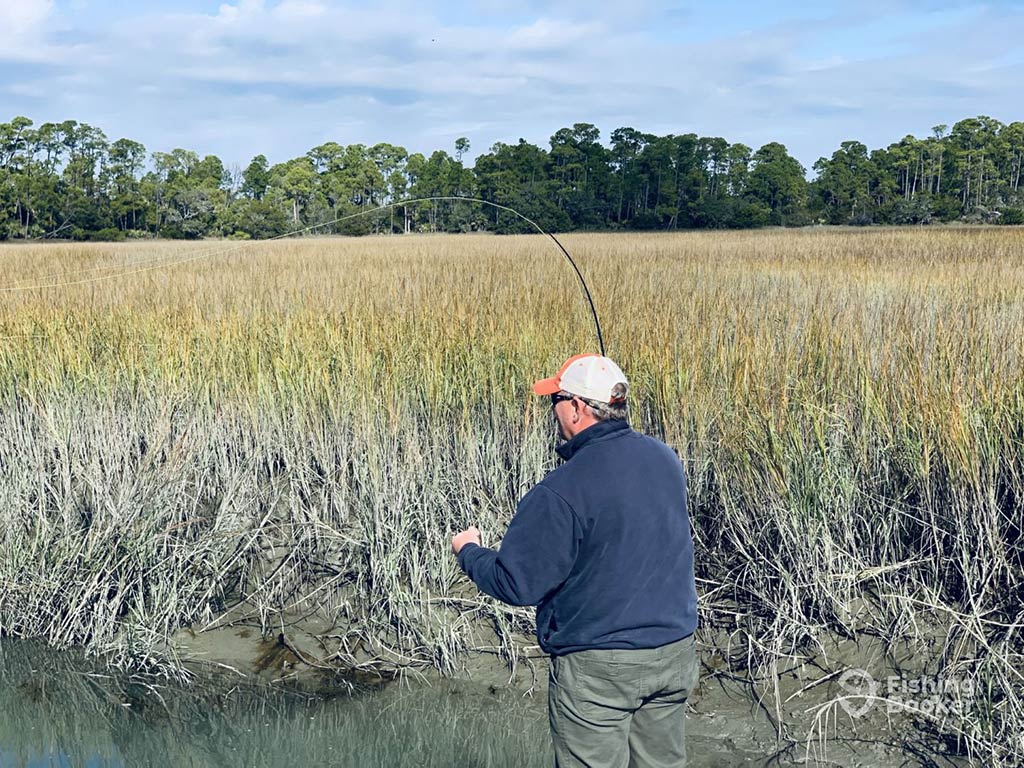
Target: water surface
column 61, row 709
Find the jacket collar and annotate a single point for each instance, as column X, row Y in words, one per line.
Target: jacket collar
column 570, row 448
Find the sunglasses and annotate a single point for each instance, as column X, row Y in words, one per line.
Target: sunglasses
column 556, row 399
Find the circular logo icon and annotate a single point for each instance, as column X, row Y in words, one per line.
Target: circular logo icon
column 861, row 692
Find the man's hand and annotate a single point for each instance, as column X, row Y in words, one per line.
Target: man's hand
column 459, row 540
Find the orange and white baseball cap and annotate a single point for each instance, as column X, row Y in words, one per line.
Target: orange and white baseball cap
column 589, row 376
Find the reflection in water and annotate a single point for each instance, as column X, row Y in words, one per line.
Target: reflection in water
column 58, row 709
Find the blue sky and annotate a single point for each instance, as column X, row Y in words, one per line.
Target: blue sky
column 280, row 76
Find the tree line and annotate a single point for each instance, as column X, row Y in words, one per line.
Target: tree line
column 67, row 180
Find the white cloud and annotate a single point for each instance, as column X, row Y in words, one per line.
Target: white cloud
column 299, row 9
column 24, row 16
column 242, row 8
column 277, row 78
column 24, row 24
column 547, row 33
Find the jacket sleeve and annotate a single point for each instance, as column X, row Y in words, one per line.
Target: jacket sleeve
column 536, row 554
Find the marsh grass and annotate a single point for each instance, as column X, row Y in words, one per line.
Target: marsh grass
column 301, row 426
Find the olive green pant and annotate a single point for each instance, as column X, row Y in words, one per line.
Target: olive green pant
column 619, row 708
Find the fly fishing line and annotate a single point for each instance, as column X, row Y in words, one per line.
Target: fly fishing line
column 156, row 263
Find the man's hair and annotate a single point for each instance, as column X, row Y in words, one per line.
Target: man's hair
column 604, row 411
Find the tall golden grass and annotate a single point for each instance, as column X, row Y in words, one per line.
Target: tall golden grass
column 300, row 425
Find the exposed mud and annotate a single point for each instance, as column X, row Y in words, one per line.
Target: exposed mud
column 732, row 721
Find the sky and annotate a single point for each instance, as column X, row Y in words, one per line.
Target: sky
column 279, row 77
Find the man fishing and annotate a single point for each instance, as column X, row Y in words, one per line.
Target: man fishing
column 602, row 547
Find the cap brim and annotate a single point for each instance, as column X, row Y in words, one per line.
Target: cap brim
column 546, row 386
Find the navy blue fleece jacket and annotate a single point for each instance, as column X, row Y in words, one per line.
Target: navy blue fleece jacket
column 601, row 546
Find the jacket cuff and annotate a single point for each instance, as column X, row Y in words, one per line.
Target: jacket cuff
column 463, row 552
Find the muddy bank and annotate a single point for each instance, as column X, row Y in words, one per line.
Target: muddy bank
column 811, row 717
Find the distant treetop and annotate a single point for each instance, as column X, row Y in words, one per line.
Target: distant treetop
column 67, row 180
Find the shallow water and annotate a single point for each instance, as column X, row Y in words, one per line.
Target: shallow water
column 60, row 709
